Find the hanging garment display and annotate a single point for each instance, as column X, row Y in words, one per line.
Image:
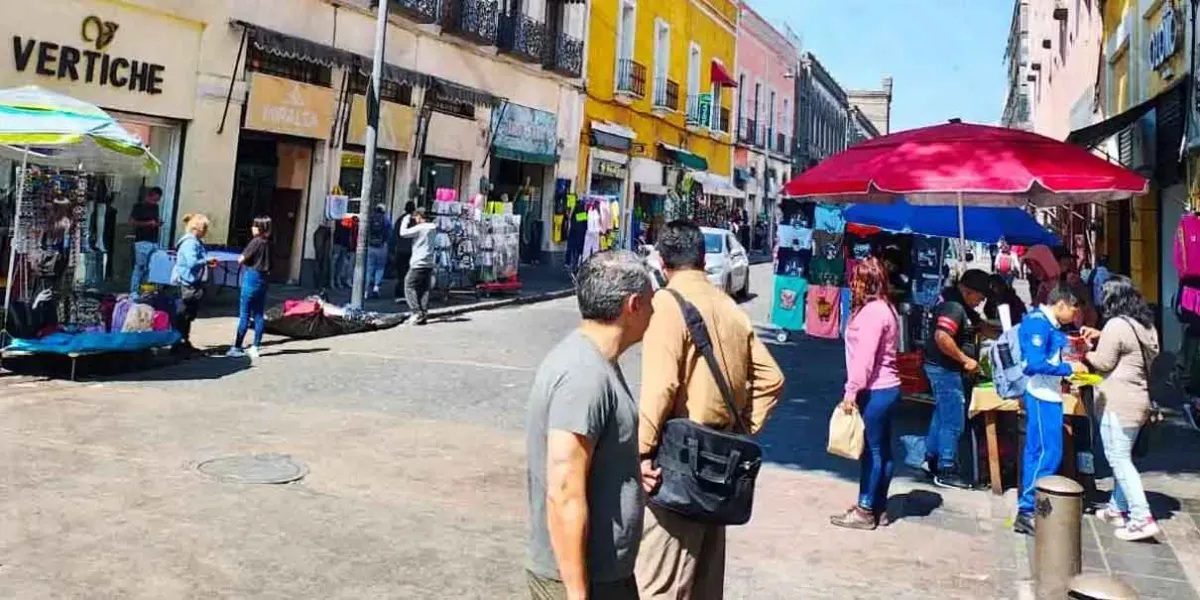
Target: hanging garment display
column 793, row 262
column 829, row 217
column 824, row 311
column 828, row 262
column 788, row 307
column 928, row 259
column 845, row 311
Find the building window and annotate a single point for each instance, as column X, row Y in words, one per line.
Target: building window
column 288, row 68
column 628, row 30
column 771, row 116
column 389, row 91
column 662, row 58
column 694, row 70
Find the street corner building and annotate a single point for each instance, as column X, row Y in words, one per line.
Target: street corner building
column 257, row 107
column 658, row 133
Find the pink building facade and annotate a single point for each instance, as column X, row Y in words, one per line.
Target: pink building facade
column 765, row 108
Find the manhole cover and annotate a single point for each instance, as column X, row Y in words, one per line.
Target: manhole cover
column 254, row 468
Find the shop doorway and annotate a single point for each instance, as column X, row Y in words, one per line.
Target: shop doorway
column 438, row 173
column 253, row 187
column 283, row 210
column 522, row 185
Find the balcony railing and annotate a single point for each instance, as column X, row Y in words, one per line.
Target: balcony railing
column 523, row 37
column 421, row 11
column 666, row 93
column 631, row 78
column 723, row 117
column 746, row 131
column 475, row 20
column 565, row 56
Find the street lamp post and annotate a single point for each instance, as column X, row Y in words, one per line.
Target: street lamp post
column 368, row 176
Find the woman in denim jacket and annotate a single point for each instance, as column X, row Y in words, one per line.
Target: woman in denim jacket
column 190, row 274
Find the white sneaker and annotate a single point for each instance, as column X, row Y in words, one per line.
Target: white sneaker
column 1113, row 517
column 253, row 352
column 1133, row 532
column 235, row 352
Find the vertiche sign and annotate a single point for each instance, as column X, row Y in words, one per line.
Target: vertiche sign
column 90, row 63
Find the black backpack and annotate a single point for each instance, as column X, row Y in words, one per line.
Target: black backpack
column 707, row 475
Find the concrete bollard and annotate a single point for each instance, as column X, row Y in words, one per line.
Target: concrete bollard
column 1059, row 514
column 1096, row 586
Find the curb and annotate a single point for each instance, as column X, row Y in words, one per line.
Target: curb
column 506, row 302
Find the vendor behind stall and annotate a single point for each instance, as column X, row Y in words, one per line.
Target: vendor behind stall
column 950, row 355
column 1000, row 294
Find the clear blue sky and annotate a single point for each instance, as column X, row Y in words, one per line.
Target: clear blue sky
column 946, row 56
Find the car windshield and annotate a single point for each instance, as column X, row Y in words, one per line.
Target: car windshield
column 712, row 243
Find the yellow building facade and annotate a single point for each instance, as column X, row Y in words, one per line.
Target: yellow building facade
column 1145, row 63
column 659, row 100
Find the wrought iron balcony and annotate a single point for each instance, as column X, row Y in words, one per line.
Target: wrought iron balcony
column 421, row 11
column 666, row 93
column 631, row 78
column 747, row 130
column 523, row 37
column 475, row 20
column 565, row 56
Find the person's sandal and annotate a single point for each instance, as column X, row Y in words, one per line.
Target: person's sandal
column 855, row 518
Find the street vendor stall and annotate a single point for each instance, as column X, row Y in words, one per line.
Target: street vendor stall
column 48, row 308
column 960, row 166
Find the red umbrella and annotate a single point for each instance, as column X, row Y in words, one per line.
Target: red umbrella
column 962, row 163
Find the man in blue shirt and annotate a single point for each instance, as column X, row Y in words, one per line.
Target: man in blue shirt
column 1042, row 343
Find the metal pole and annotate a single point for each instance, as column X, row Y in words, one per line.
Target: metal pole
column 364, row 209
column 962, row 233
column 16, row 228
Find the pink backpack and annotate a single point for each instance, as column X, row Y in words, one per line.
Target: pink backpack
column 1187, row 247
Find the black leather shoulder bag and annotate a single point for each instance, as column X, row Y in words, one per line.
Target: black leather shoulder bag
column 708, row 475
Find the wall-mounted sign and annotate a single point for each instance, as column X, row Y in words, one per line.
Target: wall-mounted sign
column 525, row 134
column 610, row 169
column 396, row 123
column 1164, row 39
column 90, row 64
column 114, row 54
column 289, row 107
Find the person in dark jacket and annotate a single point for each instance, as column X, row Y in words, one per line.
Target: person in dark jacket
column 1002, row 294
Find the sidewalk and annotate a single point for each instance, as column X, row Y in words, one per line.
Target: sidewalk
column 1168, row 567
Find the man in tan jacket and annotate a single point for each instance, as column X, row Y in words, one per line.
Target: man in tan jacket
column 681, row 558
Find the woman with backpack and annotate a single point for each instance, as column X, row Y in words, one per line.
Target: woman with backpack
column 872, row 387
column 1124, row 354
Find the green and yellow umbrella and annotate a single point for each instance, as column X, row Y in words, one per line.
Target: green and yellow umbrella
column 34, row 118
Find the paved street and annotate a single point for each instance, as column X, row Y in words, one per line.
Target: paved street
column 416, row 489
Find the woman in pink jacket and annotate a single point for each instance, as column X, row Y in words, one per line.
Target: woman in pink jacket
column 872, row 387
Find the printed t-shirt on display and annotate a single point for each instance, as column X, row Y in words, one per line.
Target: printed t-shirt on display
column 788, row 308
column 824, row 311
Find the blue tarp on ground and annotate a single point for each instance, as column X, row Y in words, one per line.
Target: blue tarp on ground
column 93, row 343
column 981, row 224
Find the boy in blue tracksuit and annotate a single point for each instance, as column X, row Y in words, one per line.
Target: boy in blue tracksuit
column 1042, row 343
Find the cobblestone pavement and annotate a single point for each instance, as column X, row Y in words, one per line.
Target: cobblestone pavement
column 414, row 441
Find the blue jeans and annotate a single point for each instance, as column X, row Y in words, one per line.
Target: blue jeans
column 377, row 259
column 876, row 407
column 1128, row 494
column 1043, row 446
column 949, row 416
column 141, row 265
column 253, row 303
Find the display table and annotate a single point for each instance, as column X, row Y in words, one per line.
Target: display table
column 985, row 401
column 226, row 274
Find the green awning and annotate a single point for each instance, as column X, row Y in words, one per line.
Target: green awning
column 525, row 157
column 683, row 157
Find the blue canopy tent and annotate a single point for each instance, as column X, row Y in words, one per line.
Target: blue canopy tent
column 985, row 224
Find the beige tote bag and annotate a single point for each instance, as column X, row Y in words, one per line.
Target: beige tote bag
column 845, row 434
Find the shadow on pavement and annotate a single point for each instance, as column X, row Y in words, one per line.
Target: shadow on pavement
column 198, row 368
column 915, row 504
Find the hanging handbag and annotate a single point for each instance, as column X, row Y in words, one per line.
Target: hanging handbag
column 1149, row 429
column 708, row 475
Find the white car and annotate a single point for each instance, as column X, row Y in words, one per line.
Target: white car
column 725, row 262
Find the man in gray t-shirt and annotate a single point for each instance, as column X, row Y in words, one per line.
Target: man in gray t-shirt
column 585, row 484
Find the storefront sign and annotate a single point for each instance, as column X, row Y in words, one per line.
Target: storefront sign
column 525, row 134
column 395, row 125
column 289, row 107
column 1164, row 40
column 704, row 107
column 610, row 169
column 114, row 54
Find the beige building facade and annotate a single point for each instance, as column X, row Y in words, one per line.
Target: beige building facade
column 257, row 107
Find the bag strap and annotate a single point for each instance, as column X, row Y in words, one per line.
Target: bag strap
column 703, row 342
column 1146, row 362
